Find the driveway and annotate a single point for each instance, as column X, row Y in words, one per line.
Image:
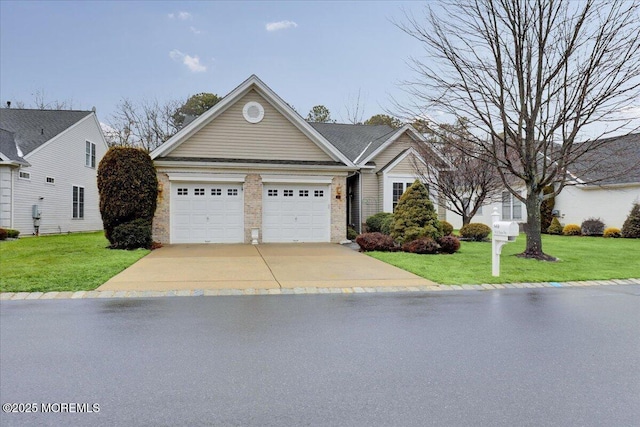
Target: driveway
column 267, row 266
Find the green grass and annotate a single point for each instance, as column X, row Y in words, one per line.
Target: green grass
column 581, row 258
column 73, row 262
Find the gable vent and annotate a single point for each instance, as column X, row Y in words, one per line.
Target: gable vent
column 253, row 112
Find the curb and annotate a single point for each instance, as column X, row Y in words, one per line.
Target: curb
column 16, row 296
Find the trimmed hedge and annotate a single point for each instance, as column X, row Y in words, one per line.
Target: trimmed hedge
column 424, row 245
column 351, row 233
column 612, row 232
column 128, row 188
column 376, row 242
column 447, row 228
column 449, row 244
column 376, row 223
column 475, row 231
column 572, row 230
column 132, row 235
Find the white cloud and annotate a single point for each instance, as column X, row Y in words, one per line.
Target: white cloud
column 183, row 16
column 192, row 62
column 281, row 25
column 194, row 30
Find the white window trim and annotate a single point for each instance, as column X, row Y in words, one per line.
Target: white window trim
column 296, row 179
column 173, row 177
column 24, row 178
column 46, row 180
column 92, row 158
column 387, row 196
column 513, row 200
column 84, row 194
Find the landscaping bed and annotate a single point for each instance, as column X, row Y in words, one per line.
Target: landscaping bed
column 70, row 262
column 580, row 258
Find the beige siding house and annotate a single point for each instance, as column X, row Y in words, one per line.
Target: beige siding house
column 252, row 170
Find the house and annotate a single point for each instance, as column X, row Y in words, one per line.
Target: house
column 48, row 162
column 251, row 168
column 603, row 184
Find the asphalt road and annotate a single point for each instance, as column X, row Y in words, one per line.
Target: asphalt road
column 519, row 357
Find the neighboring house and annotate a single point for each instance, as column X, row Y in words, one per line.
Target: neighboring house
column 252, row 166
column 48, row 162
column 604, row 184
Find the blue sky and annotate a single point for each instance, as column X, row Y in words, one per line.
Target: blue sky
column 96, row 53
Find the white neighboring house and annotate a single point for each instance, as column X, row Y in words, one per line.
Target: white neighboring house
column 604, row 185
column 48, row 165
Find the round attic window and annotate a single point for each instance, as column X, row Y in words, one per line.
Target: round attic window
column 253, row 112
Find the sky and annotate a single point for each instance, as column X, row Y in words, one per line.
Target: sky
column 96, row 53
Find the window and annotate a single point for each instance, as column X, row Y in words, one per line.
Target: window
column 511, row 207
column 398, row 190
column 272, row 193
column 90, row 154
column 24, row 175
column 288, row 193
column 198, row 191
column 183, row 191
column 318, row 193
column 78, row 202
column 216, row 191
column 50, row 180
column 303, row 193
column 232, row 192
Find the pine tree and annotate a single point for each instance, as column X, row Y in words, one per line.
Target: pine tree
column 415, row 216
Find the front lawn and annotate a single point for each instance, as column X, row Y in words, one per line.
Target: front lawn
column 581, row 258
column 73, row 262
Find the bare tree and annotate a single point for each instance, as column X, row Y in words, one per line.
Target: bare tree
column 531, row 76
column 355, row 108
column 146, row 124
column 467, row 182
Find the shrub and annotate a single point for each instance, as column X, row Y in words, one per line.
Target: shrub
column 475, row 231
column 132, row 235
column 631, row 226
column 351, row 233
column 612, row 232
column 555, row 227
column 387, row 223
column 128, row 188
column 449, row 244
column 447, row 228
column 415, row 215
column 546, row 210
column 375, row 242
column 424, row 245
column 12, row 234
column 376, row 222
column 592, row 227
column 3, row 234
column 571, row 230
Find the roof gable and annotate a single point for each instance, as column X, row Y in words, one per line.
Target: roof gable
column 275, row 104
column 615, row 160
column 32, row 128
column 354, row 140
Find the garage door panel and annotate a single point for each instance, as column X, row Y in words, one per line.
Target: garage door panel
column 296, row 213
column 207, row 213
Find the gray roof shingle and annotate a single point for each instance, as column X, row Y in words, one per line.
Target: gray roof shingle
column 32, row 128
column 352, row 140
column 8, row 148
column 616, row 161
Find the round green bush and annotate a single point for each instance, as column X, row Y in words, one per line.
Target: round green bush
column 449, row 244
column 132, row 235
column 351, row 233
column 128, row 188
column 555, row 227
column 475, row 231
column 447, row 228
column 572, row 230
column 12, row 234
column 375, row 223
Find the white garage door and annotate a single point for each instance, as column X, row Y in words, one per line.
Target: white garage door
column 207, row 213
column 296, row 213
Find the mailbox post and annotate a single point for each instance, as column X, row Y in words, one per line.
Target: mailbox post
column 503, row 232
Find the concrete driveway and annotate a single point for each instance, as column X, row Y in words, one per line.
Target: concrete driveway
column 267, row 266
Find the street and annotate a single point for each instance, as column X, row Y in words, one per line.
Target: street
column 565, row 357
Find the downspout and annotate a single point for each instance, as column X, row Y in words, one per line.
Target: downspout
column 12, row 189
column 360, row 202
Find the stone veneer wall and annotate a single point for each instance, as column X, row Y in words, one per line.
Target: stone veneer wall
column 252, row 206
column 161, row 220
column 338, row 209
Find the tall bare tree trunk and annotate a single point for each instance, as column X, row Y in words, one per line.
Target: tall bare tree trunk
column 534, row 230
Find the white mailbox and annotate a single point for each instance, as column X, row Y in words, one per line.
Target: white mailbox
column 503, row 232
column 506, row 230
